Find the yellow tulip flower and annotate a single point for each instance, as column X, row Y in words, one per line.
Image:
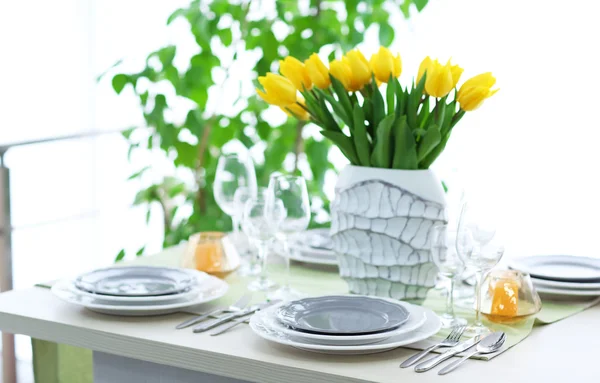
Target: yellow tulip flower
column 382, row 64
column 341, row 70
column 423, row 68
column 317, row 71
column 361, row 72
column 278, row 90
column 439, row 80
column 294, row 70
column 397, row 66
column 475, row 91
column 297, row 110
column 456, row 73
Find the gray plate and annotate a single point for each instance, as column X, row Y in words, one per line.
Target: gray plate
column 342, row 315
column 559, row 268
column 135, row 281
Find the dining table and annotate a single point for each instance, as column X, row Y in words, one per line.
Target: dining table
column 73, row 344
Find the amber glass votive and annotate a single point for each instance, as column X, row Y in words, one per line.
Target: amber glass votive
column 206, row 252
column 508, row 297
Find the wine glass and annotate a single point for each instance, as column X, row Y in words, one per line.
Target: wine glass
column 450, row 267
column 261, row 221
column 233, row 171
column 292, row 192
column 249, row 256
column 477, row 250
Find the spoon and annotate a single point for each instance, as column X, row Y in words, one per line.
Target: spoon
column 489, row 344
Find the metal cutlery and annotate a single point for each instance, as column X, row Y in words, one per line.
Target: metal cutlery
column 229, row 326
column 450, row 341
column 236, row 307
column 489, row 344
column 431, row 363
column 234, row 315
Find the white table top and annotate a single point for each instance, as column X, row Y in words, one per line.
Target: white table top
column 563, row 351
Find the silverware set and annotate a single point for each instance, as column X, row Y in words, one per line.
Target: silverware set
column 229, row 316
column 476, row 345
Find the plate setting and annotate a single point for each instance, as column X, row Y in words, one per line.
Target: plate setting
column 135, row 281
column 562, row 268
column 342, row 315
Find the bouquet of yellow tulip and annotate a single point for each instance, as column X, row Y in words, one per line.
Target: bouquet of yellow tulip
column 399, row 128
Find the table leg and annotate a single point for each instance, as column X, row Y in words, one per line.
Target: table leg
column 110, row 368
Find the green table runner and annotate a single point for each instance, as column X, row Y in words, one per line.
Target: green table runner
column 67, row 364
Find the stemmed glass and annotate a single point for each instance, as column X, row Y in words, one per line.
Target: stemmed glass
column 450, row 265
column 292, row 192
column 261, row 220
column 476, row 230
column 233, row 171
column 250, row 265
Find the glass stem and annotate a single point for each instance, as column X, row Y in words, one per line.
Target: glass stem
column 478, row 277
column 286, row 256
column 263, row 249
column 450, row 298
column 235, row 220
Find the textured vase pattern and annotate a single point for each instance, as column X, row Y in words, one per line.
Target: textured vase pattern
column 381, row 235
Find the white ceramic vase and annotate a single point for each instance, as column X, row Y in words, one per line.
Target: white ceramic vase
column 381, row 221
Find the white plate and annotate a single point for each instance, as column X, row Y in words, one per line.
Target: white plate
column 203, row 283
column 559, row 267
column 62, row 289
column 265, row 326
column 313, row 258
column 567, row 292
column 416, row 320
column 565, row 285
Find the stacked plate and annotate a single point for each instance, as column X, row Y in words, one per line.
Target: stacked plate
column 561, row 275
column 313, row 246
column 347, row 325
column 141, row 290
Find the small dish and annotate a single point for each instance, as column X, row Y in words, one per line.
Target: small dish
column 343, row 315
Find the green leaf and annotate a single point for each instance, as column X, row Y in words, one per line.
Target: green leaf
column 119, row 81
column 391, row 94
column 400, row 100
column 226, row 36
column 386, row 34
column 381, row 156
column 420, row 4
column 405, row 147
column 378, row 105
column 342, row 95
column 140, row 252
column 414, row 99
column 359, row 135
column 120, row 256
column 337, row 108
column 344, row 143
column 429, row 142
column 423, row 114
column 176, row 14
column 138, row 173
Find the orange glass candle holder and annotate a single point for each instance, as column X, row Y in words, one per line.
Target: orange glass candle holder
column 212, row 253
column 508, row 297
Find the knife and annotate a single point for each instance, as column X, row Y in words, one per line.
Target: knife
column 431, row 363
column 232, row 316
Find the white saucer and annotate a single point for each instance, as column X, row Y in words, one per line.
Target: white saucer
column 567, row 292
column 263, row 325
column 565, row 285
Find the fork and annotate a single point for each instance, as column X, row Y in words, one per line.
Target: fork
column 450, row 341
column 236, row 307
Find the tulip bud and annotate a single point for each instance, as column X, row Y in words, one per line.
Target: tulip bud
column 278, row 90
column 397, row 66
column 456, row 73
column 317, row 71
column 295, row 71
column 382, row 64
column 438, row 82
column 361, row 72
column 342, row 72
column 423, row 68
column 296, row 110
column 475, row 91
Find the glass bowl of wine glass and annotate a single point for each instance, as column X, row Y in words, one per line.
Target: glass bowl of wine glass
column 508, row 297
